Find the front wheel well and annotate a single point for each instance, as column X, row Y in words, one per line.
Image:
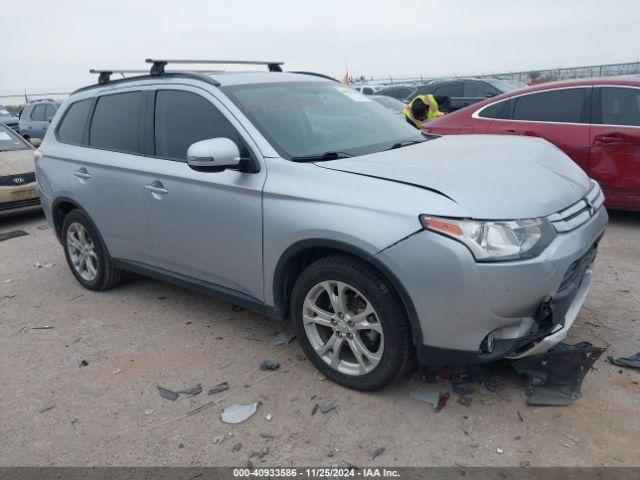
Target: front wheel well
column 297, row 259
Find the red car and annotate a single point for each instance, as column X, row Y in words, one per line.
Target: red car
column 594, row 121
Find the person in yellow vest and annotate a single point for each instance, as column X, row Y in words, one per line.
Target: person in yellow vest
column 421, row 109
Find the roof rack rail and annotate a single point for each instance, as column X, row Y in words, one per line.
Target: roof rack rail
column 105, row 74
column 315, row 74
column 157, row 67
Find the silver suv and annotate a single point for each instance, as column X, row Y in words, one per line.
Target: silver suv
column 299, row 197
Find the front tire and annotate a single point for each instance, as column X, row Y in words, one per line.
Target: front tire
column 86, row 254
column 351, row 323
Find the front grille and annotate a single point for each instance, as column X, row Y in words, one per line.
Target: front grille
column 580, row 212
column 19, row 204
column 17, row 180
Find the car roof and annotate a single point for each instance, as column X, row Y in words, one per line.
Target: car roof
column 218, row 79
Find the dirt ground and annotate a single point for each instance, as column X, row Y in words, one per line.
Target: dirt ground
column 147, row 333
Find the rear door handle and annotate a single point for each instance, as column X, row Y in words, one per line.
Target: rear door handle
column 82, row 173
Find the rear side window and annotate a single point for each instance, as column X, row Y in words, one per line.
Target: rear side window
column 620, row 106
column 552, row 106
column 38, row 113
column 50, row 111
column 71, row 129
column 184, row 118
column 499, row 110
column 115, row 122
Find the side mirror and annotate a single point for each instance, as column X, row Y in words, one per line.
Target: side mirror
column 50, row 119
column 490, row 94
column 36, row 142
column 213, row 154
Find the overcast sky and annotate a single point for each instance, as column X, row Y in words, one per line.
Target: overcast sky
column 51, row 44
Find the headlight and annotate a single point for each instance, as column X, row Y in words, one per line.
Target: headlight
column 491, row 241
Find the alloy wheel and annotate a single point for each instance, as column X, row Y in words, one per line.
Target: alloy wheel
column 82, row 251
column 343, row 327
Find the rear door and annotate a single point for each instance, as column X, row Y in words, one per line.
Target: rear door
column 615, row 144
column 107, row 168
column 205, row 226
column 560, row 116
column 36, row 126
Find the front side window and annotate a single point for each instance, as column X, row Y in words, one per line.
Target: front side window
column 312, row 118
column 71, row 129
column 37, row 114
column 184, row 118
column 453, row 89
column 115, row 122
column 620, row 106
column 564, row 105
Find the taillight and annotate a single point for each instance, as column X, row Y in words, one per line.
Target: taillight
column 37, row 156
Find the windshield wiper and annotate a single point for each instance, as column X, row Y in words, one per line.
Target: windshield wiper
column 321, row 157
column 404, row 143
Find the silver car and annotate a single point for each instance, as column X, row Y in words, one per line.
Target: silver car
column 303, row 199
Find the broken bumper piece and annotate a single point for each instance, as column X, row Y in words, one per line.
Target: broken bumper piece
column 555, row 377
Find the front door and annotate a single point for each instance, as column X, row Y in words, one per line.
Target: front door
column 205, row 226
column 615, row 145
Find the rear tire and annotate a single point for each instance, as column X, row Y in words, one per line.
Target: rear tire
column 86, row 254
column 351, row 323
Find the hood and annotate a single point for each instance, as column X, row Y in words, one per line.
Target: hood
column 489, row 176
column 8, row 119
column 17, row 161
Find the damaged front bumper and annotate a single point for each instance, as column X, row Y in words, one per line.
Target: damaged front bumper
column 555, row 377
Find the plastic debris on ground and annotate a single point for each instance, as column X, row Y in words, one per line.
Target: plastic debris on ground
column 283, row 338
column 467, row 425
column 237, row 447
column 555, row 377
column 238, row 413
column 376, row 453
column 442, row 402
column 430, row 396
column 12, row 234
column 269, row 366
column 168, row 394
column 191, row 391
column 627, row 362
column 327, row 408
column 44, row 327
column 268, row 417
column 221, row 387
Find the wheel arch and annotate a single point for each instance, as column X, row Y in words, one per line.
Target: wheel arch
column 61, row 207
column 301, row 254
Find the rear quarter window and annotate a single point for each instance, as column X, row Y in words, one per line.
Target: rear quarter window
column 72, row 127
column 115, row 122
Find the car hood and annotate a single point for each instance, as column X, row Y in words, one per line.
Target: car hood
column 16, row 161
column 489, row 176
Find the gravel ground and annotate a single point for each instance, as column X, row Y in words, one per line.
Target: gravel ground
column 147, row 333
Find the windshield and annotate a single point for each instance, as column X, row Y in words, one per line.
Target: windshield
column 389, row 102
column 305, row 119
column 10, row 140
